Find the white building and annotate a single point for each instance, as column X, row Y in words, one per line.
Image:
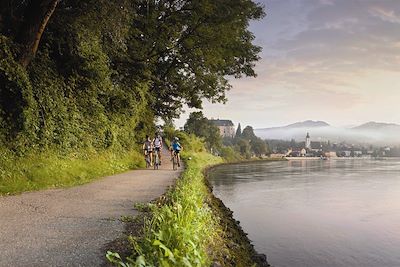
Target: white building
column 226, row 127
column 308, row 142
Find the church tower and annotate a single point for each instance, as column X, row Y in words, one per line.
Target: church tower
column 308, row 141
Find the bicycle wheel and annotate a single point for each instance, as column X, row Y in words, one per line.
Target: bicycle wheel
column 174, row 162
column 147, row 159
column 156, row 161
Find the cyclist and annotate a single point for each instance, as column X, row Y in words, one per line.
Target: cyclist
column 148, row 149
column 158, row 144
column 176, row 147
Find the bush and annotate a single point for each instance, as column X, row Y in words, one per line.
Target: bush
column 229, row 154
column 190, row 142
column 182, row 232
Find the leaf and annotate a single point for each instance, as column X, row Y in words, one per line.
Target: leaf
column 113, row 257
column 140, row 261
column 167, row 252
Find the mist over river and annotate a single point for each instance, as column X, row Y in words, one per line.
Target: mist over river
column 317, row 212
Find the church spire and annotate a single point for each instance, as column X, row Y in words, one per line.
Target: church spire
column 308, row 141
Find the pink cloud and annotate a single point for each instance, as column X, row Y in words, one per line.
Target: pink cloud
column 385, row 14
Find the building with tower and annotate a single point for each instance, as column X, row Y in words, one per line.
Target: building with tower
column 226, row 127
column 308, row 142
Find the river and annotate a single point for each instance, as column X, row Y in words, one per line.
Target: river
column 317, row 212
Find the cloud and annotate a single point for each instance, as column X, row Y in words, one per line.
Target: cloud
column 385, row 15
column 340, row 38
column 321, row 59
column 327, row 2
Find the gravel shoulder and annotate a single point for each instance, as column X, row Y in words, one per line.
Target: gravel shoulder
column 70, row 227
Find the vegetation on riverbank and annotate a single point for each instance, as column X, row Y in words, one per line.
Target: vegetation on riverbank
column 189, row 226
column 243, row 145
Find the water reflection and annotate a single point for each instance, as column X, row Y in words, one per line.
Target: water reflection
column 317, row 213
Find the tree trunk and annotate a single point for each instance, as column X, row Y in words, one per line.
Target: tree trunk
column 36, row 17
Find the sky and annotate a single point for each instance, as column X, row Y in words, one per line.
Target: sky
column 331, row 60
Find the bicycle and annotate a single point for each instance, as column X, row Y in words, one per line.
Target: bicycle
column 175, row 160
column 156, row 160
column 147, row 159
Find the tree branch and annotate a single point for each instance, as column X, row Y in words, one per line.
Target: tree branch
column 37, row 15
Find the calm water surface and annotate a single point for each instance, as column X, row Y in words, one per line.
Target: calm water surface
column 317, row 213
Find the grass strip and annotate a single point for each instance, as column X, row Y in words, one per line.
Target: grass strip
column 49, row 169
column 190, row 227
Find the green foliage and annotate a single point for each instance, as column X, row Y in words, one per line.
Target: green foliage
column 17, row 106
column 101, row 85
column 229, row 154
column 249, row 144
column 72, row 96
column 259, row 147
column 187, row 48
column 243, row 146
column 143, row 207
column 51, row 170
column 191, row 142
column 238, row 132
column 248, row 133
column 169, row 133
column 103, row 73
column 184, row 231
column 189, row 227
column 200, row 126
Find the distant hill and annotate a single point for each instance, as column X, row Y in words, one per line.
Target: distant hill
column 370, row 132
column 295, row 131
column 372, row 125
column 308, row 123
column 303, row 124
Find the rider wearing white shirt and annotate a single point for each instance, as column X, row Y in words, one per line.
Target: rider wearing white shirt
column 158, row 144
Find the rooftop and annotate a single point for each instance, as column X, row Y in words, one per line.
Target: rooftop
column 219, row 122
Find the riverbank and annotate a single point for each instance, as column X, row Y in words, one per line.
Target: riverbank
column 296, row 228
column 236, row 240
column 189, row 225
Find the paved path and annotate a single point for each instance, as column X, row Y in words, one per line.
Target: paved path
column 69, row 227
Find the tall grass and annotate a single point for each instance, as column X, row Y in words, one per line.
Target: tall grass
column 51, row 170
column 189, row 227
column 184, row 231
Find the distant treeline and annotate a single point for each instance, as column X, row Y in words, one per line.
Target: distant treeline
column 244, row 144
column 97, row 73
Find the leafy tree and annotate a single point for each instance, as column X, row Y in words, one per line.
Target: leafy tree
column 248, row 133
column 259, row 147
column 67, row 81
column 199, row 125
column 229, row 154
column 189, row 47
column 243, row 146
column 228, row 141
column 26, row 21
column 71, row 95
column 238, row 132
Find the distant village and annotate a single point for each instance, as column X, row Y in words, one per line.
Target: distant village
column 326, row 149
column 312, row 149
